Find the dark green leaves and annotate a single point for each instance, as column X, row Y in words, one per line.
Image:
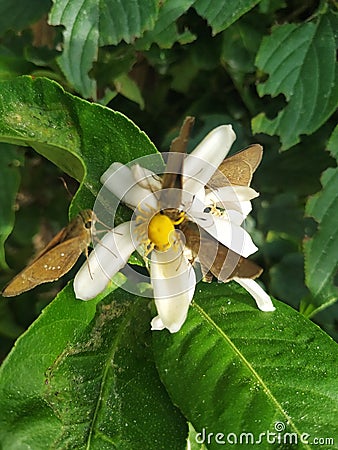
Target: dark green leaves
column 10, row 161
column 246, row 371
column 21, row 16
column 98, row 23
column 110, row 22
column 321, row 262
column 222, row 14
column 300, row 60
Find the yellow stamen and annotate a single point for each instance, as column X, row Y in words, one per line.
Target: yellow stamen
column 180, row 219
column 159, row 229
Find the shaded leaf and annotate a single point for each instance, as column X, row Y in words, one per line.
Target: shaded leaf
column 234, row 369
column 321, row 263
column 97, row 24
column 287, row 279
column 297, row 171
column 10, row 162
column 8, row 325
column 240, row 45
column 12, row 65
column 127, row 87
column 21, row 16
column 165, row 32
column 220, row 15
column 301, row 62
column 272, row 216
column 88, row 380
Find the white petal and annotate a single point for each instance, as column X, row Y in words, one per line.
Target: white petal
column 235, row 217
column 233, row 199
column 121, row 182
column 201, row 164
column 109, row 255
column 227, row 233
column 173, row 280
column 263, row 300
column 146, row 178
column 231, row 193
column 244, row 208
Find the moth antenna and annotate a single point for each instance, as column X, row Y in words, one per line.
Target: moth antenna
column 97, row 240
column 102, row 223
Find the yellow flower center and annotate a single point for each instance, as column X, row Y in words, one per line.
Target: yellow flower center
column 159, row 229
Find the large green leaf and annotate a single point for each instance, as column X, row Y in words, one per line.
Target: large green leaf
column 220, row 15
column 233, row 369
column 90, row 24
column 19, row 16
column 301, row 62
column 10, row 161
column 85, row 378
column 81, row 138
column 321, row 263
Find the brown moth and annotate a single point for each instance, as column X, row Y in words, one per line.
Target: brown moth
column 215, row 258
column 172, row 177
column 57, row 258
column 237, row 169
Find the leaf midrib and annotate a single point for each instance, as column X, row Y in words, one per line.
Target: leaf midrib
column 105, row 372
column 249, row 366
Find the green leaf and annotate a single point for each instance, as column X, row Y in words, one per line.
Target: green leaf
column 220, row 15
column 301, row 62
column 12, row 65
column 10, row 162
column 98, row 23
column 234, row 369
column 19, row 16
column 165, row 32
column 287, row 279
column 240, row 45
column 81, row 138
column 127, row 87
column 85, row 379
column 272, row 216
column 8, row 326
column 298, row 171
column 321, row 262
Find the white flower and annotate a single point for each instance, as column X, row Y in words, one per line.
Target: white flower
column 152, row 230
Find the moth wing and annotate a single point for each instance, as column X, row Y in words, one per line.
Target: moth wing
column 172, row 177
column 237, row 169
column 45, row 268
column 214, row 257
column 56, row 240
column 224, row 263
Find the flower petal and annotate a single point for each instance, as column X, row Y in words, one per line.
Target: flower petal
column 263, row 300
column 120, row 181
column 231, row 193
column 201, row 164
column 173, row 280
column 235, row 217
column 107, row 258
column 227, row 233
column 146, row 178
column 244, row 208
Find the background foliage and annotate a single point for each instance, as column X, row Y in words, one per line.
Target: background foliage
column 91, row 373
